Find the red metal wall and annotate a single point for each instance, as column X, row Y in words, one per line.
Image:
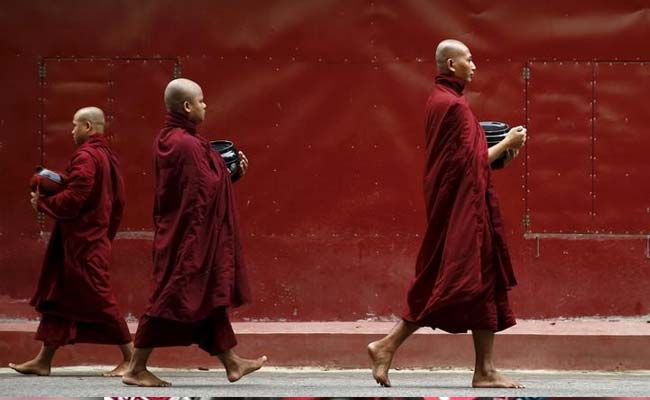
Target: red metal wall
column 326, row 98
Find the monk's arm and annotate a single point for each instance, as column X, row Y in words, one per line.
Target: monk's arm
column 515, row 138
column 116, row 217
column 68, row 203
column 496, row 151
column 118, row 206
column 193, row 176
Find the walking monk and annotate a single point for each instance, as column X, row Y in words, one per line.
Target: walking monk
column 198, row 266
column 74, row 292
column 463, row 269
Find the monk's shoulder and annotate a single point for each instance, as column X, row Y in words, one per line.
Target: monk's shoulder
column 458, row 107
column 84, row 155
column 443, row 98
column 181, row 141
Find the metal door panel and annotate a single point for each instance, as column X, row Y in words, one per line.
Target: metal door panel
column 559, row 165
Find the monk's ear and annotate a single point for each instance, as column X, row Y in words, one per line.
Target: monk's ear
column 89, row 125
column 186, row 106
column 450, row 65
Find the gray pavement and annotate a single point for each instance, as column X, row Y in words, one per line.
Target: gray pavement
column 84, row 382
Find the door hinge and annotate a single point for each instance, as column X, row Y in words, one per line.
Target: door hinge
column 177, row 71
column 42, row 71
column 525, row 73
column 526, row 221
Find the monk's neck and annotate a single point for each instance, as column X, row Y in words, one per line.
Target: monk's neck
column 178, row 120
column 451, row 81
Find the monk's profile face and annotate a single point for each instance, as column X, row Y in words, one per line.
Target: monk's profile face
column 195, row 106
column 81, row 130
column 462, row 65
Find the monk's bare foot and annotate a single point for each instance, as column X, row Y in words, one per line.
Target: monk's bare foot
column 119, row 370
column 143, row 378
column 241, row 367
column 31, row 367
column 493, row 379
column 381, row 359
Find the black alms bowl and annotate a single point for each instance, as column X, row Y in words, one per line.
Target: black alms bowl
column 230, row 155
column 494, row 131
column 46, row 182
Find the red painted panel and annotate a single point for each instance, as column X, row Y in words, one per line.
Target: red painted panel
column 621, row 148
column 136, row 112
column 19, row 153
column 559, row 196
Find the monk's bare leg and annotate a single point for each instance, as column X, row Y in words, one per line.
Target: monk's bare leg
column 381, row 352
column 40, row 365
column 138, row 374
column 237, row 367
column 127, row 353
column 485, row 375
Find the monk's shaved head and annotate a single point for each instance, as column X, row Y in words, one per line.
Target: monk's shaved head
column 449, row 48
column 178, row 92
column 93, row 115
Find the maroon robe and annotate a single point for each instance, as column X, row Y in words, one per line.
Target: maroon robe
column 197, row 256
column 463, row 269
column 74, row 291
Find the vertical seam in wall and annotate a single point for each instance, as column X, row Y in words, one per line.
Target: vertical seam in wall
column 526, row 210
column 41, row 79
column 593, row 144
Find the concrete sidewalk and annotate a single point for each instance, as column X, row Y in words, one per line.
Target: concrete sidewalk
column 83, row 382
column 614, row 344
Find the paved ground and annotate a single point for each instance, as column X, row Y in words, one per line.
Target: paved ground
column 84, row 382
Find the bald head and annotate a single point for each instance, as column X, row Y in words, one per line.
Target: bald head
column 179, row 91
column 449, row 49
column 92, row 115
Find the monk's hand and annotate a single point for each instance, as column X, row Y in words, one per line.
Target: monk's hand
column 34, row 199
column 243, row 163
column 516, row 138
